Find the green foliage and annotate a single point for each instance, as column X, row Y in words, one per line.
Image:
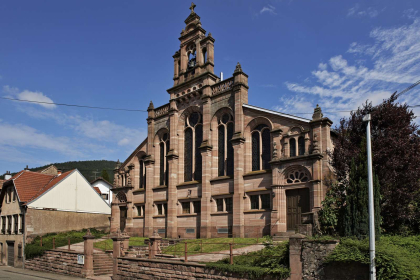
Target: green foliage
column 272, row 260
column 34, row 248
column 105, row 175
column 107, row 243
column 397, row 257
column 329, row 214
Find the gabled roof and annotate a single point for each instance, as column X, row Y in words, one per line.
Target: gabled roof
column 276, row 113
column 103, row 180
column 29, row 185
column 51, row 170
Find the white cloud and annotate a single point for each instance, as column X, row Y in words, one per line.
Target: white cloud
column 370, row 71
column 410, row 13
column 356, row 11
column 30, row 95
column 268, row 9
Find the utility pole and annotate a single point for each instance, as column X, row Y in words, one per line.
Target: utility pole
column 371, row 202
column 95, row 172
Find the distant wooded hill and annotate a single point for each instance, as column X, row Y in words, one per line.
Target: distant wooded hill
column 88, row 168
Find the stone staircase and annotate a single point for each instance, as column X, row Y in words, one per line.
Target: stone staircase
column 102, row 263
column 283, row 236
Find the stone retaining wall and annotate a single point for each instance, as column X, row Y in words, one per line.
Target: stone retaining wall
column 56, row 261
column 133, row 268
column 313, row 255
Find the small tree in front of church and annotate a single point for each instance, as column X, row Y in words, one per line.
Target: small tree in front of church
column 105, row 175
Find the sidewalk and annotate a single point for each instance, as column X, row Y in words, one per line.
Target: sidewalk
column 8, row 272
column 213, row 257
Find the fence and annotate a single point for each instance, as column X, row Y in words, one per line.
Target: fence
column 53, row 243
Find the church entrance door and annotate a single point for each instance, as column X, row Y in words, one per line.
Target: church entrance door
column 297, row 202
column 123, row 217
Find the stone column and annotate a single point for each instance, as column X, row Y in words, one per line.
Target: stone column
column 87, row 270
column 118, row 241
column 115, row 217
column 149, row 165
column 238, row 187
column 295, row 259
column 154, row 246
column 206, row 148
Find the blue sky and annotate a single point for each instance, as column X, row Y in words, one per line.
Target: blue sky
column 119, row 54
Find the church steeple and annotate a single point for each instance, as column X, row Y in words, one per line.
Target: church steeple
column 196, row 53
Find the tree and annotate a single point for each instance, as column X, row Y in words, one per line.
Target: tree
column 396, row 159
column 105, row 175
column 355, row 211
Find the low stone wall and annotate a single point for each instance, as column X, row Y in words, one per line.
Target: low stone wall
column 56, row 261
column 313, row 255
column 133, row 268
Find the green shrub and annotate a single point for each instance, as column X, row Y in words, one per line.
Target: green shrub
column 34, row 248
column 396, row 257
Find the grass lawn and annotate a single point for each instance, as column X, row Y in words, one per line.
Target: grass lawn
column 107, row 244
column 210, row 245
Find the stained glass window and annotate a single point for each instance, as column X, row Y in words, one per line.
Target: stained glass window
column 167, row 165
column 194, row 118
column 221, row 150
column 198, row 161
column 255, row 151
column 266, row 151
column 188, row 155
column 301, row 146
column 225, row 118
column 162, row 163
column 229, row 163
column 292, row 147
column 141, row 179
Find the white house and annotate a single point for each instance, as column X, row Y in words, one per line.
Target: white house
column 105, row 187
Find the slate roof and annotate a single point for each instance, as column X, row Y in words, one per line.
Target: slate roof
column 30, row 185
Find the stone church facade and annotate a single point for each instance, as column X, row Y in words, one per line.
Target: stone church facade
column 214, row 166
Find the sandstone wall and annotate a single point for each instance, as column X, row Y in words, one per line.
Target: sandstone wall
column 56, row 261
column 131, row 268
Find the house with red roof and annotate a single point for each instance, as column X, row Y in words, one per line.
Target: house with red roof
column 104, row 187
column 35, row 203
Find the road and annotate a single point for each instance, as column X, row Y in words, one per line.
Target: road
column 7, row 272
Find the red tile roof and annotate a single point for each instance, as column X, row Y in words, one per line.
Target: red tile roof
column 30, row 185
column 97, row 190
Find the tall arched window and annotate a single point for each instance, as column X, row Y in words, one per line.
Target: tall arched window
column 292, row 147
column 301, row 145
column 193, row 139
column 142, row 177
column 261, row 151
column 225, row 148
column 163, row 151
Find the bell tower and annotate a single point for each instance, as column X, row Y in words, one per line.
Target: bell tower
column 196, row 54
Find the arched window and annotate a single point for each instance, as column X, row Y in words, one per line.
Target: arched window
column 142, row 177
column 297, row 176
column 301, row 145
column 225, row 148
column 204, row 51
column 261, row 151
column 163, row 151
column 193, row 139
column 292, row 147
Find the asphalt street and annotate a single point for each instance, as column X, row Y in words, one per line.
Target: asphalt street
column 7, row 272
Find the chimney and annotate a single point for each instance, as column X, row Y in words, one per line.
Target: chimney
column 7, row 176
column 221, row 76
column 26, row 168
column 58, row 172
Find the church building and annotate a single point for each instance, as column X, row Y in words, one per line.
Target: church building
column 213, row 165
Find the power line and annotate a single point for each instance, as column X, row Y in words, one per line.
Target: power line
column 72, row 105
column 409, row 88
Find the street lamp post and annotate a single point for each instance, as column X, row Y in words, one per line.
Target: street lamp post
column 367, row 119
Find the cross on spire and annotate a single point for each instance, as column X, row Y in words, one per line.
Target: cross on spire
column 192, row 7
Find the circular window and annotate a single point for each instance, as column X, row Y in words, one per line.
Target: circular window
column 297, row 177
column 225, row 118
column 194, row 118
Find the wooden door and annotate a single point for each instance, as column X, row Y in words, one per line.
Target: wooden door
column 123, row 217
column 297, row 202
column 11, row 253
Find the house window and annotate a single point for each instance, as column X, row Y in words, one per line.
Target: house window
column 9, row 195
column 301, row 145
column 16, row 222
column 197, row 206
column 104, row 196
column 260, row 201
column 9, row 224
column 142, row 179
column 140, row 210
column 3, row 225
column 292, row 147
column 161, row 207
column 224, row 204
column 163, row 150
column 193, row 139
column 225, row 148
column 22, row 223
column 229, row 204
column 14, row 194
column 186, row 208
column 261, row 151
